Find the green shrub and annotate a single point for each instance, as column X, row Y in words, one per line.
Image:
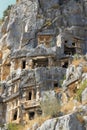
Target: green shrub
column 80, row 90
column 76, row 57
column 7, row 11
column 12, row 126
column 50, row 106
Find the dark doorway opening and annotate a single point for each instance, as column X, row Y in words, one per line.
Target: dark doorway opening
column 65, row 41
column 31, row 115
column 15, row 115
column 73, row 43
column 69, row 50
column 29, row 96
column 65, row 65
column 23, row 64
column 55, row 85
column 40, row 62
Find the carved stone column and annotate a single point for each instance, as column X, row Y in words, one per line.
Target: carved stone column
column 32, row 94
column 7, row 114
column 12, row 66
column 37, row 94
column 11, row 116
column 31, row 65
column 50, row 61
column 18, row 113
column 27, row 65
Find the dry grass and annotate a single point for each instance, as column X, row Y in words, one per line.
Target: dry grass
column 80, row 118
column 77, row 62
column 57, row 90
column 13, row 126
column 68, row 107
column 72, row 88
column 39, row 120
column 30, row 123
column 85, row 69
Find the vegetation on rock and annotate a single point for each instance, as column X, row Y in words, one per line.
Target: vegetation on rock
column 7, row 12
column 83, row 85
column 50, row 106
column 13, row 126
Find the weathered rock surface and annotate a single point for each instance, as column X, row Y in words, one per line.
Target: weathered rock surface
column 27, row 18
column 66, row 22
column 67, row 122
column 84, row 96
column 74, row 73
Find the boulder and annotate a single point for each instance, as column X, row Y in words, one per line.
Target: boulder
column 67, row 122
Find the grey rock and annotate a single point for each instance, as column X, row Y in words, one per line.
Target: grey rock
column 14, row 33
column 41, row 50
column 72, row 74
column 66, row 20
column 84, row 96
column 28, row 18
column 84, row 76
column 35, row 126
column 67, row 122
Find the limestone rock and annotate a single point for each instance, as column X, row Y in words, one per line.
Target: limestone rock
column 14, row 33
column 27, row 18
column 35, row 126
column 37, row 41
column 84, row 96
column 41, row 50
column 20, row 18
column 67, row 122
column 72, row 74
column 84, row 76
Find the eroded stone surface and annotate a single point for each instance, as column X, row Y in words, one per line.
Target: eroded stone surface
column 38, row 41
column 68, row 122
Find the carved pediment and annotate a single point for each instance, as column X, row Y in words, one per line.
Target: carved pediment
column 41, row 50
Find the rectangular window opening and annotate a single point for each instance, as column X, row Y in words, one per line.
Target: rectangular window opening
column 23, row 64
column 31, row 115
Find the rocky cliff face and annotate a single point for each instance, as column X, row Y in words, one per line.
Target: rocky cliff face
column 68, row 122
column 66, row 21
column 28, row 18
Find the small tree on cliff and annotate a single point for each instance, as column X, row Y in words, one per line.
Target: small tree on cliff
column 7, row 11
column 50, row 106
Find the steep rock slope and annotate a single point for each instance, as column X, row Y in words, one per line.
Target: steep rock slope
column 28, row 18
column 62, row 18
column 68, row 122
